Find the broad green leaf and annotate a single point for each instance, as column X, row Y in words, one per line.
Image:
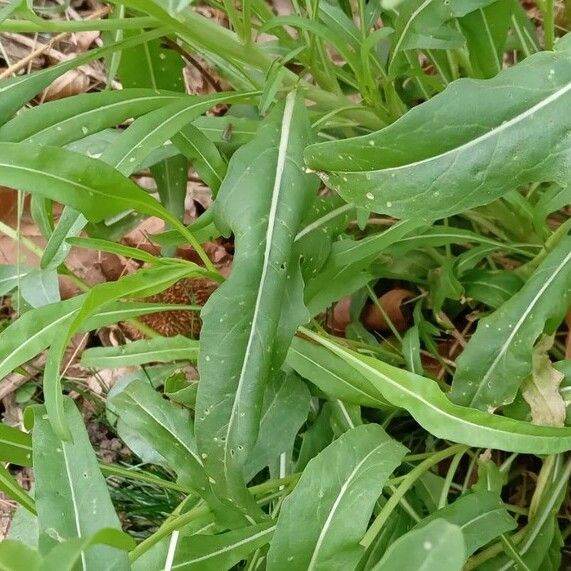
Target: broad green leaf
column 71, row 494
column 165, row 426
column 332, row 375
column 15, row 92
column 499, row 355
column 481, row 516
column 486, row 30
column 60, row 122
column 228, row 130
column 461, row 149
column 284, row 410
column 156, row 350
column 15, row 446
column 431, row 408
column 222, row 551
column 10, row 487
column 439, row 545
column 333, row 501
column 171, row 176
column 249, row 321
column 16, row 556
column 66, row 556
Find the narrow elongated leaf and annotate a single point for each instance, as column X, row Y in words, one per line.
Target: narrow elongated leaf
column 159, row 350
column 334, row 499
column 499, row 355
column 166, row 427
column 19, row 90
column 463, row 148
column 60, row 122
column 481, row 516
column 486, row 30
column 439, row 545
column 71, row 495
column 430, row 407
column 88, row 185
column 247, row 324
column 224, row 551
column 331, row 374
column 71, row 223
column 151, row 131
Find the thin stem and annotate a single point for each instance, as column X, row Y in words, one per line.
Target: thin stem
column 449, row 477
column 549, row 24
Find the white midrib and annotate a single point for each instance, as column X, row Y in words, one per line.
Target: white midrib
column 490, row 40
column 280, row 165
column 202, row 155
column 361, row 364
column 324, row 219
column 331, row 514
column 473, row 142
column 519, row 323
column 112, row 358
column 225, row 549
column 30, row 339
column 74, row 502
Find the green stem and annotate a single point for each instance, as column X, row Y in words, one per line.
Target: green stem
column 110, row 470
column 407, row 483
column 24, row 26
column 449, row 477
column 549, row 24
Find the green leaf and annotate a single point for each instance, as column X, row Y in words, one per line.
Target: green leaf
column 284, row 410
column 15, row 92
column 66, row 556
column 71, row 494
column 491, row 288
column 340, row 485
column 331, row 373
column 481, row 516
column 16, row 556
column 499, row 355
column 60, row 122
column 15, row 446
column 153, row 129
column 430, row 407
column 40, row 287
column 10, row 487
column 247, row 324
column 486, row 30
column 88, row 185
column 223, row 551
column 439, row 545
column 463, row 148
column 166, row 427
column 156, row 350
column 171, row 176
column 71, row 223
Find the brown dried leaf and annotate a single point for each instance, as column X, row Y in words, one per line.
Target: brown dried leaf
column 392, row 303
column 70, row 83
